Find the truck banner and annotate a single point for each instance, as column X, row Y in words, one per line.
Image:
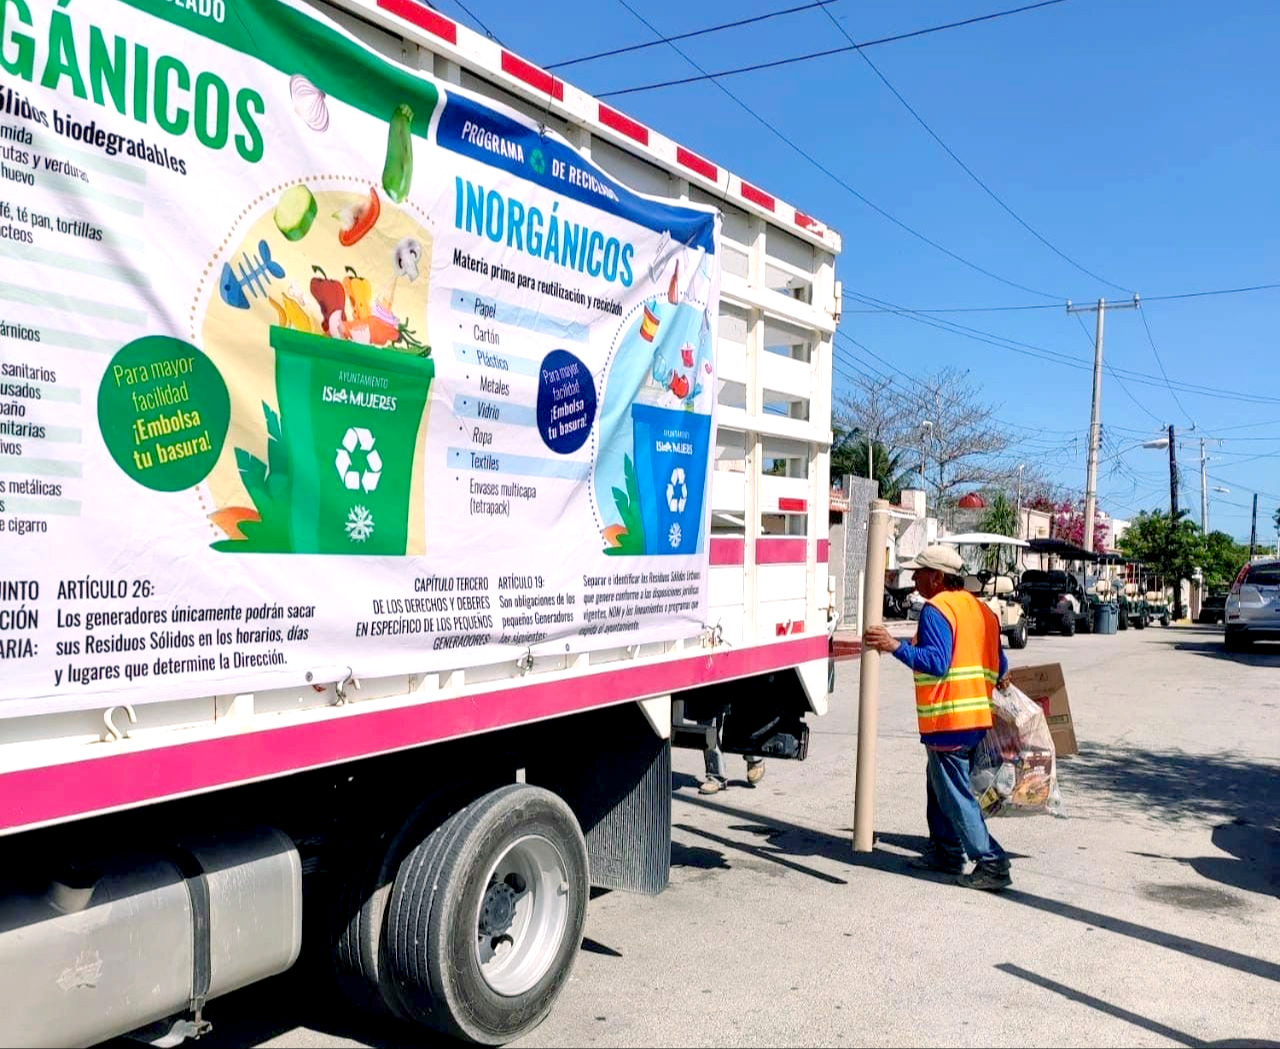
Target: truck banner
column 309, row 361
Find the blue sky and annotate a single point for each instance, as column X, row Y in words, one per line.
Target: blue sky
column 1139, row 138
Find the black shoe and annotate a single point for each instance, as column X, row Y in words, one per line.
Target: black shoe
column 934, row 859
column 991, row 876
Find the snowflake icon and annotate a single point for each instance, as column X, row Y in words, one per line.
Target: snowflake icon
column 673, row 535
column 359, row 524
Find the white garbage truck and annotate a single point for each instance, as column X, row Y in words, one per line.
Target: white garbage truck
column 400, row 452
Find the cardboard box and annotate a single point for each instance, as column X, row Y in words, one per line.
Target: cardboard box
column 1046, row 685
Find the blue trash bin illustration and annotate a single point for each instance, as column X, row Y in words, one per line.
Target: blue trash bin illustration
column 671, row 448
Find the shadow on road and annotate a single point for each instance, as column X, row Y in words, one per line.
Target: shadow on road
column 1206, row 641
column 1103, row 1006
column 789, row 836
column 1175, row 784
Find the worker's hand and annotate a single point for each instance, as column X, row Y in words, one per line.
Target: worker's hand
column 880, row 639
column 1004, row 683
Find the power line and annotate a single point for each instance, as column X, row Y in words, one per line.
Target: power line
column 963, row 166
column 1031, row 350
column 1247, row 426
column 687, row 36
column 704, row 75
column 1151, row 339
column 1203, row 294
column 1242, row 486
column 487, row 31
column 1049, row 306
column 1111, row 371
column 838, row 179
column 889, row 379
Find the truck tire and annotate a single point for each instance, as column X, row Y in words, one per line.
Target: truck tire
column 358, row 918
column 360, row 904
column 1068, row 624
column 1018, row 635
column 486, row 916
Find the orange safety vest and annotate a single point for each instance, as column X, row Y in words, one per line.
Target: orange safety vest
column 961, row 698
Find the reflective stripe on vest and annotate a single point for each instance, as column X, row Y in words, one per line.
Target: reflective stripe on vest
column 961, row 698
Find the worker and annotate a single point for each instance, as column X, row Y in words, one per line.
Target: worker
column 957, row 663
column 713, row 760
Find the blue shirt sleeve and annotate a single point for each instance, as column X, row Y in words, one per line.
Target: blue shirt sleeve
column 932, row 654
column 1004, row 663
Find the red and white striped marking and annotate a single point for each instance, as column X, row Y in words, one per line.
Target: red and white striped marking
column 415, row 21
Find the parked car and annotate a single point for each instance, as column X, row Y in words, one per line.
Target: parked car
column 1253, row 606
column 1213, row 609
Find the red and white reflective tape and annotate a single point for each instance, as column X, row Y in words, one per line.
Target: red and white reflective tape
column 413, row 20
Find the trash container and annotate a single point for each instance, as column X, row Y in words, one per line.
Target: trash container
column 1105, row 618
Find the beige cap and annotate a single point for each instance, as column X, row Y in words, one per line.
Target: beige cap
column 941, row 558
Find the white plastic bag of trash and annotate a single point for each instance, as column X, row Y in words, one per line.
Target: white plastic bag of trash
column 1015, row 770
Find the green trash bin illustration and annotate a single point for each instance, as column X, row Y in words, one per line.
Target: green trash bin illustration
column 344, row 442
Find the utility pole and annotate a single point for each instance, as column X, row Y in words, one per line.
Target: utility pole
column 1253, row 532
column 1018, row 531
column 1204, row 493
column 1173, row 515
column 1095, row 415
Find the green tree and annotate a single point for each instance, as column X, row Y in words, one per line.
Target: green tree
column 1223, row 559
column 1171, row 547
column 1001, row 517
column 889, row 468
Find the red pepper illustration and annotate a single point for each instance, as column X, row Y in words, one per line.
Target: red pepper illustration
column 358, row 219
column 679, row 386
column 330, row 296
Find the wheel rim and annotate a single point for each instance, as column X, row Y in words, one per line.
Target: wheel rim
column 522, row 916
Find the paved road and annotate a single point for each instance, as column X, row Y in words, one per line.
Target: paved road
column 1149, row 915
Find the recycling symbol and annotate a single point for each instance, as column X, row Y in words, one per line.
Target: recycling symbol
column 359, row 437
column 677, row 493
column 538, row 162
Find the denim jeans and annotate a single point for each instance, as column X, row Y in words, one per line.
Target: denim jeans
column 956, row 825
column 713, row 759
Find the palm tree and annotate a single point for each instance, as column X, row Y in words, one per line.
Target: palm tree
column 888, row 468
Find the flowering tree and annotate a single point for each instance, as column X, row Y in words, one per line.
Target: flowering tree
column 1068, row 524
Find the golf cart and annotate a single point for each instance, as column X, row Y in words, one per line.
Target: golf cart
column 1112, row 587
column 1158, row 604
column 1058, row 599
column 1134, row 611
column 990, row 561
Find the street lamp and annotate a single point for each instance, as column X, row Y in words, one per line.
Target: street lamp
column 1215, row 488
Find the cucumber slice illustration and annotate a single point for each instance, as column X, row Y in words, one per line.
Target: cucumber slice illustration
column 295, row 212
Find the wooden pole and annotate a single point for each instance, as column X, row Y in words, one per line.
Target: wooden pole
column 864, row 797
